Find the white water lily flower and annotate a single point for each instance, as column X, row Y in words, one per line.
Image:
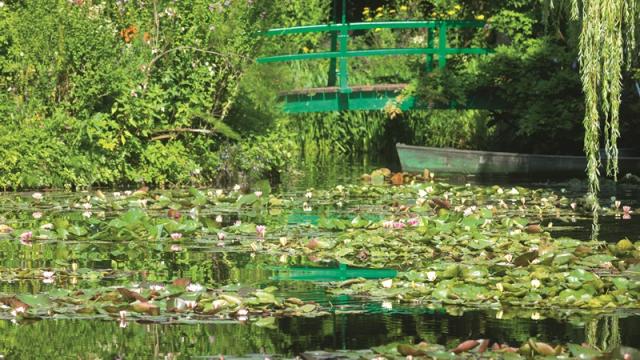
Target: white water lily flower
column 422, row 193
column 535, row 316
column 219, row 218
column 500, row 287
column 194, row 287
column 236, row 187
column 87, row 214
column 514, row 191
column 219, row 192
column 258, row 193
column 387, row 283
column 47, row 226
column 499, row 314
column 48, row 274
column 535, row 283
column 37, row 196
column 387, row 305
column 432, row 276
column 308, row 195
column 156, row 287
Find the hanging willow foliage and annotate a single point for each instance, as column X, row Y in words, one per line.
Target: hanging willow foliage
column 607, row 42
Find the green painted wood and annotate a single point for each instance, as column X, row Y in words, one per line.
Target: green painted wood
column 442, row 46
column 346, row 98
column 375, row 52
column 411, row 24
column 342, row 272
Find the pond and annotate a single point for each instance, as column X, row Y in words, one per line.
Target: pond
column 325, row 266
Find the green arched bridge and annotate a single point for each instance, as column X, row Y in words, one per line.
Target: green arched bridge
column 339, row 95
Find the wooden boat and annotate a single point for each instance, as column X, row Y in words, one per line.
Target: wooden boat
column 448, row 160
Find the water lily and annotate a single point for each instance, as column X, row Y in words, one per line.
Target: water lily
column 514, row 191
column 500, row 287
column 387, row 305
column 87, row 214
column 387, row 283
column 306, row 207
column 261, row 230
column 18, row 310
column 86, row 206
column 339, row 204
column 219, row 219
column 432, row 276
column 535, row 283
column 237, row 223
column 26, row 236
column 420, row 201
column 219, row 192
column 422, row 193
column 156, row 287
column 398, row 225
column 283, row 240
column 48, row 274
column 117, row 194
column 573, row 205
column 626, row 209
column 340, row 188
column 194, row 287
column 36, row 215
column 258, row 193
column 221, row 236
column 236, row 187
column 308, row 195
column 413, row 221
column 47, row 226
column 128, row 193
column 176, row 236
column 387, row 224
column 37, row 196
column 617, row 204
column 175, row 248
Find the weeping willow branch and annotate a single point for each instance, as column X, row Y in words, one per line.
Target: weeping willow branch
column 607, row 42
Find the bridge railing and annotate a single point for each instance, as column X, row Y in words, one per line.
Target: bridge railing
column 341, row 52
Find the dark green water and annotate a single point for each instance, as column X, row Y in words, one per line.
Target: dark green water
column 352, row 325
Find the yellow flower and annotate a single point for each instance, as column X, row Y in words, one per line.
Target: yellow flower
column 392, row 11
column 380, row 9
column 457, row 7
column 479, row 17
column 379, row 15
column 365, row 11
column 404, row 8
column 451, row 12
column 305, row 49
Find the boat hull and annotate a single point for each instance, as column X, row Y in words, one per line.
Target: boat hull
column 447, row 160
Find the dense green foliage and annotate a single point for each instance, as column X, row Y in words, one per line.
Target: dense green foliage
column 120, row 92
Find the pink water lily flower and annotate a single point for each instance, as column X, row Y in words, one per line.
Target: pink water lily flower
column 413, row 222
column 176, row 236
column 626, row 209
column 387, row 224
column 26, row 236
column 221, row 236
column 398, row 225
column 176, row 247
column 261, row 230
column 36, row 215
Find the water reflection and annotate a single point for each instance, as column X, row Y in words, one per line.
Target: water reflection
column 106, row 339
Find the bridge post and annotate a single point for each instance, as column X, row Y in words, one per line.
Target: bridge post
column 442, row 46
column 343, row 40
column 334, row 47
column 430, row 44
